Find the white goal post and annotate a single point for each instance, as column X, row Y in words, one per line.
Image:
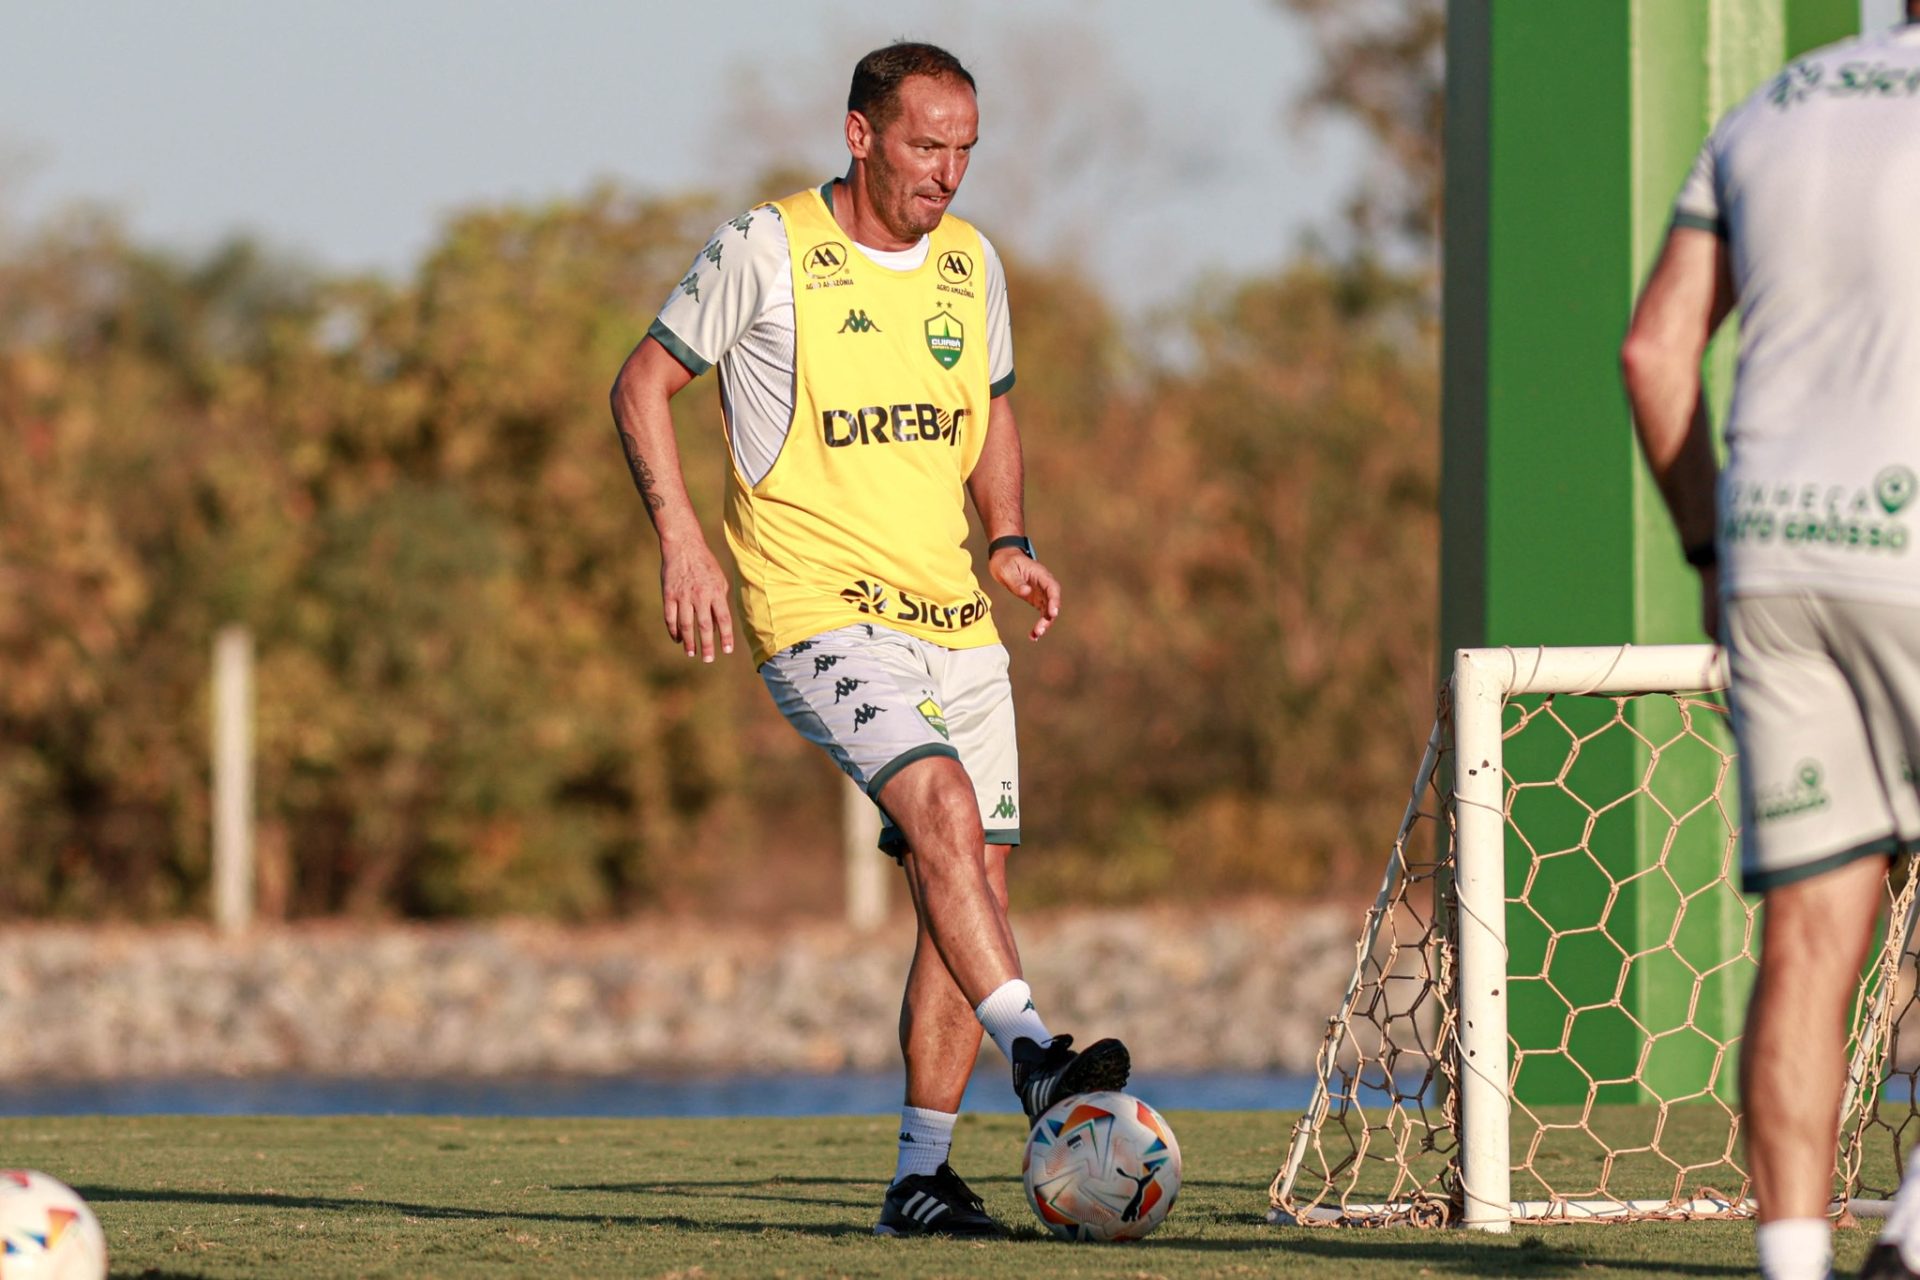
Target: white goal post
column 1483, row 680
column 1364, row 1132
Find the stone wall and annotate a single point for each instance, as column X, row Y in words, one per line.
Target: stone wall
column 1245, row 987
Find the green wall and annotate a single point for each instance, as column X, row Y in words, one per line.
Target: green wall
column 1570, row 126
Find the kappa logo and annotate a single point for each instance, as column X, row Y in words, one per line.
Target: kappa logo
column 1794, row 85
column 857, row 322
column 824, row 663
column 868, row 597
column 864, row 714
column 1006, row 808
column 844, row 686
column 828, row 258
column 955, row 267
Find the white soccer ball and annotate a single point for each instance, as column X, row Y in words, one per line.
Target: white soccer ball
column 46, row 1230
column 1102, row 1166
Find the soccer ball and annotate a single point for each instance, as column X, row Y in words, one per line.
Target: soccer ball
column 46, row 1230
column 1101, row 1166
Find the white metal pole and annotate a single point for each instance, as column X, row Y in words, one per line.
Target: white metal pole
column 1479, row 690
column 1613, row 668
column 233, row 779
column 867, row 867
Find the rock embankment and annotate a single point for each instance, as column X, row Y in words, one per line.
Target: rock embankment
column 1244, row 988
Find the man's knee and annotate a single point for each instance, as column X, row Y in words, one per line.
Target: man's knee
column 932, row 802
column 1823, row 922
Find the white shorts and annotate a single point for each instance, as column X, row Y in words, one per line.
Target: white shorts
column 876, row 700
column 1826, row 709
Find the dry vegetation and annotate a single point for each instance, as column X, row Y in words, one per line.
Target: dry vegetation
column 413, row 495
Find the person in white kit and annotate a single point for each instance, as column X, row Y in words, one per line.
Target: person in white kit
column 1804, row 210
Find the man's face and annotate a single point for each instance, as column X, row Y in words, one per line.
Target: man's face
column 915, row 164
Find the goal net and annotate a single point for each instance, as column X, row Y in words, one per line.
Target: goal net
column 1543, row 1020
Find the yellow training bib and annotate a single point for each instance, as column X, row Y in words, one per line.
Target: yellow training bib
column 862, row 518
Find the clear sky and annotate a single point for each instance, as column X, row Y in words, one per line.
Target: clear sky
column 1153, row 143
column 1152, row 140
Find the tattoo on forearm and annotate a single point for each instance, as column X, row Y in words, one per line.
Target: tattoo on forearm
column 642, row 474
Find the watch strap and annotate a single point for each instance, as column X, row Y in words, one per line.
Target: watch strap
column 1018, row 541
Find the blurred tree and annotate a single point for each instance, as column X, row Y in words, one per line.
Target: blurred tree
column 467, row 703
column 1248, row 548
column 1383, row 65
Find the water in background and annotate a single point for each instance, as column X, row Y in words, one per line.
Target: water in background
column 779, row 1095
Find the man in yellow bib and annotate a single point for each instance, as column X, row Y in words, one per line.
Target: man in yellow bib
column 865, row 360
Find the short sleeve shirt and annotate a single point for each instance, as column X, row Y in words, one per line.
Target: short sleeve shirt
column 1814, row 183
column 734, row 309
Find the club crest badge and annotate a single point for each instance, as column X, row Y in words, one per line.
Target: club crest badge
column 946, row 338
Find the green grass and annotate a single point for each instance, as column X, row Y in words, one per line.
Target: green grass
column 431, row 1197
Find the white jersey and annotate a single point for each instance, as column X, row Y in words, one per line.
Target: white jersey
column 1814, row 182
column 735, row 309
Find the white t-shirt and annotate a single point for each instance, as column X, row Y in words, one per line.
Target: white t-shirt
column 735, row 309
column 1814, row 182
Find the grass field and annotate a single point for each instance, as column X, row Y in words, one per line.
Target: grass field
column 431, row 1197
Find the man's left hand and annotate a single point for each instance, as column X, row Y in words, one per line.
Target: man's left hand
column 1031, row 581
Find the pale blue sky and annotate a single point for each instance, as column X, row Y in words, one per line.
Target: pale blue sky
column 1151, row 140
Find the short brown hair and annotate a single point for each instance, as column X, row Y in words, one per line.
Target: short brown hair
column 877, row 78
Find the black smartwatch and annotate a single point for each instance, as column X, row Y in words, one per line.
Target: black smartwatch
column 1018, row 541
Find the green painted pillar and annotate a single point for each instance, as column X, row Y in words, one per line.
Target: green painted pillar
column 1570, row 125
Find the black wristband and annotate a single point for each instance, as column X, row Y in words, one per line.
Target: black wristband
column 1018, row 541
column 1703, row 555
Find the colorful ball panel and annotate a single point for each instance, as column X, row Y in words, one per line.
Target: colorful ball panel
column 47, row 1232
column 1101, row 1166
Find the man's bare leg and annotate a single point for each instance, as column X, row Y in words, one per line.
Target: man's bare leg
column 932, row 802
column 1792, row 1065
column 939, row 1035
column 949, row 867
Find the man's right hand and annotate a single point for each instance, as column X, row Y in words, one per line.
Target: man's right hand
column 693, row 596
column 693, row 587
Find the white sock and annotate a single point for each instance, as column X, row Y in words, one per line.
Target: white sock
column 1795, row 1249
column 925, row 1139
column 1902, row 1229
column 1008, row 1014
